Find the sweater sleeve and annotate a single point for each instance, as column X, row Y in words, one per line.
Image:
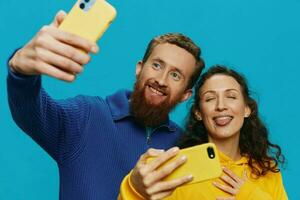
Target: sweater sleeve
column 273, row 189
column 56, row 126
column 127, row 191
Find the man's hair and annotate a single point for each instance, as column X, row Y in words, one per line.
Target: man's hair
column 181, row 41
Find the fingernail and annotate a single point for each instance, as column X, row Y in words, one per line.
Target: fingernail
column 183, row 158
column 94, row 49
column 81, row 70
column 175, row 149
column 190, row 177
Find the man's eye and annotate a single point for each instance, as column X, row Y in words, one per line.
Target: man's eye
column 175, row 75
column 156, row 66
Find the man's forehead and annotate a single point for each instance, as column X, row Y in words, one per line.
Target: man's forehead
column 173, row 55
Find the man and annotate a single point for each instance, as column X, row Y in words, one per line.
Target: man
column 96, row 141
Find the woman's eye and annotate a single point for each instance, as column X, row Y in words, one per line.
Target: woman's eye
column 209, row 99
column 232, row 97
column 176, row 76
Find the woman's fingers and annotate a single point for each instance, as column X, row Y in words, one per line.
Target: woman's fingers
column 225, row 198
column 230, row 173
column 225, row 188
column 233, row 183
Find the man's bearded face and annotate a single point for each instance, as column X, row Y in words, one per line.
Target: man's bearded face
column 151, row 103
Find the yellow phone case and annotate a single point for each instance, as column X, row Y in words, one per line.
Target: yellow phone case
column 89, row 19
column 202, row 162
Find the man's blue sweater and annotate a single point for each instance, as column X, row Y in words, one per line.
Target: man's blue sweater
column 94, row 141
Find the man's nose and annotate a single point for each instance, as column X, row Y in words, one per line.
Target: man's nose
column 162, row 78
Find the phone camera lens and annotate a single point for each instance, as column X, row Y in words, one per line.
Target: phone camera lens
column 86, row 1
column 82, row 5
column 210, row 152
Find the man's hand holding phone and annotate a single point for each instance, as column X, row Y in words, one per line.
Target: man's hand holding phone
column 158, row 173
column 147, row 178
column 54, row 52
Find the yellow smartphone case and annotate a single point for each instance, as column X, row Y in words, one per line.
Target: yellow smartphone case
column 89, row 19
column 202, row 162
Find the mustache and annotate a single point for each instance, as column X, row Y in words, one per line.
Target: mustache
column 161, row 88
column 145, row 113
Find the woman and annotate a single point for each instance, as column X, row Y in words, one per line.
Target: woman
column 224, row 113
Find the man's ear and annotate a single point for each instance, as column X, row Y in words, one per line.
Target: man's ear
column 197, row 115
column 187, row 94
column 138, row 68
column 247, row 111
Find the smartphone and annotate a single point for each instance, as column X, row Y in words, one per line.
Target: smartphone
column 89, row 19
column 202, row 162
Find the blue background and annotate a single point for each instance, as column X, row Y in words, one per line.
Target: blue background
column 258, row 38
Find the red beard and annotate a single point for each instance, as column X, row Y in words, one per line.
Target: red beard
column 147, row 113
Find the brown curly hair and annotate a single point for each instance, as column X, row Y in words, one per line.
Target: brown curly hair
column 263, row 156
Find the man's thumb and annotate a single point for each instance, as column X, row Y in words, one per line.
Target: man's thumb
column 59, row 18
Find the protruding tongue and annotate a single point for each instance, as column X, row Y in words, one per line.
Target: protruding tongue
column 222, row 121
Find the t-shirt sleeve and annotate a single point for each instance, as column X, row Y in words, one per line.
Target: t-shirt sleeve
column 273, row 189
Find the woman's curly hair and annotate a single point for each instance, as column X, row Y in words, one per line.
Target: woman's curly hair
column 263, row 156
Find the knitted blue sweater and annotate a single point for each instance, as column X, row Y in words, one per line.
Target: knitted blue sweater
column 94, row 141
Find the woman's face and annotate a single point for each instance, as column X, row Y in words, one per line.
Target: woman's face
column 222, row 107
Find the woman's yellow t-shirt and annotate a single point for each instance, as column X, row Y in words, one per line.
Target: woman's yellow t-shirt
column 268, row 187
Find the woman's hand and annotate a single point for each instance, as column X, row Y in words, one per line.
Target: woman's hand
column 234, row 183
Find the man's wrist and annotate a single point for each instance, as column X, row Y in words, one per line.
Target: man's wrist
column 10, row 65
column 11, row 62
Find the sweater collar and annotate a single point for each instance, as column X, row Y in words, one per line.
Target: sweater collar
column 224, row 159
column 120, row 108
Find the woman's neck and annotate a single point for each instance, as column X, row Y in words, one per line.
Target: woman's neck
column 229, row 147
